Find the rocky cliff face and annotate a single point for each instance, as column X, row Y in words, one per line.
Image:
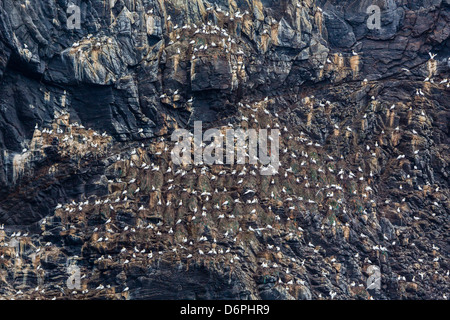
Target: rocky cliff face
column 87, row 179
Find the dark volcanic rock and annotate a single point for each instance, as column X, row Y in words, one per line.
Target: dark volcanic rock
column 87, row 180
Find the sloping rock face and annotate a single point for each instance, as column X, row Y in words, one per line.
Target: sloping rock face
column 93, row 207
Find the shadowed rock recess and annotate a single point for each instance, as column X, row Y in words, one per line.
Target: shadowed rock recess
column 87, row 179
